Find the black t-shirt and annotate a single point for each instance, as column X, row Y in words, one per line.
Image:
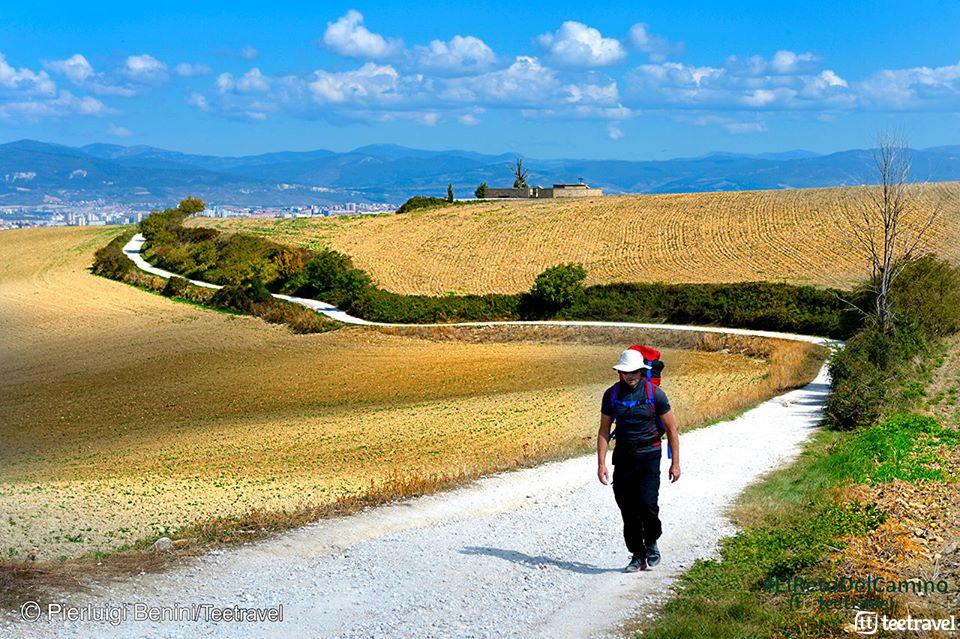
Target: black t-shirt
column 636, row 419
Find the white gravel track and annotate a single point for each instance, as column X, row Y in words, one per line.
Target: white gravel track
column 536, row 552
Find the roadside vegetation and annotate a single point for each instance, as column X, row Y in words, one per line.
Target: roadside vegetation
column 251, row 266
column 874, row 494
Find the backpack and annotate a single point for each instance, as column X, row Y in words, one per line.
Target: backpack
column 651, row 357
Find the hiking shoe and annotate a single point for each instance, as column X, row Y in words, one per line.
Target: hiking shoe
column 653, row 555
column 636, row 564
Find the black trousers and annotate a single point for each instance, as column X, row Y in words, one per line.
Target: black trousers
column 636, row 486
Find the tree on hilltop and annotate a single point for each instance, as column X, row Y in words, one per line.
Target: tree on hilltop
column 520, row 175
column 191, row 205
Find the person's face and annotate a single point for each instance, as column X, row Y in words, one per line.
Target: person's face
column 632, row 378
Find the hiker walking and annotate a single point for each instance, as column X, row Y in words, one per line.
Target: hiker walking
column 642, row 414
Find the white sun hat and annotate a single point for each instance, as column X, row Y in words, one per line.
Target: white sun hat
column 630, row 360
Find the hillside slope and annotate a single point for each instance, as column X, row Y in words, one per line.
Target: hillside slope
column 797, row 236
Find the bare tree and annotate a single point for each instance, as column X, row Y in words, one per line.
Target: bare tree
column 890, row 222
column 520, row 174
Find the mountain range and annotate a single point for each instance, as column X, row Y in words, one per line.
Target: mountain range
column 33, row 172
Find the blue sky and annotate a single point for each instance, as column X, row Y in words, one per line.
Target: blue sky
column 558, row 79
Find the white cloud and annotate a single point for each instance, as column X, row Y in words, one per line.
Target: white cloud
column 76, row 68
column 788, row 62
column 34, row 109
column 370, row 83
column 592, row 93
column 118, row 131
column 468, row 119
column 24, row 81
column 145, row 69
column 462, row 54
column 249, row 53
column 657, row 47
column 614, row 132
column 913, row 88
column 27, row 95
column 253, row 81
column 526, row 81
column 348, row 37
column 199, row 101
column 578, row 45
column 753, row 82
column 730, row 125
column 188, row 70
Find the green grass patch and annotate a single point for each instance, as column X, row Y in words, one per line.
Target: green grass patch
column 790, row 522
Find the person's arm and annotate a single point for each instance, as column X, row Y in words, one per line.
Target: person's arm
column 673, row 438
column 603, row 439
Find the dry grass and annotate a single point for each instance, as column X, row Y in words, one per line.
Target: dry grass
column 125, row 415
column 794, row 236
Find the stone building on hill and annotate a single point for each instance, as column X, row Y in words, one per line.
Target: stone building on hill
column 557, row 191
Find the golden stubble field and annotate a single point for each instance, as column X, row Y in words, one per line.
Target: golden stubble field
column 794, row 236
column 125, row 415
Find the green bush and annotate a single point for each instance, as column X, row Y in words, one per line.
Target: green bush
column 481, row 191
column 421, row 202
column 191, row 205
column 176, row 287
column 331, row 276
column 875, row 374
column 557, row 288
column 109, row 261
column 242, row 296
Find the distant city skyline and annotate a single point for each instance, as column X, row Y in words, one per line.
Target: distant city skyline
column 552, row 80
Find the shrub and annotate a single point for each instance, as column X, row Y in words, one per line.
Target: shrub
column 176, row 287
column 109, row 261
column 481, row 191
column 298, row 318
column 191, row 205
column 421, row 202
column 242, row 296
column 160, row 227
column 558, row 287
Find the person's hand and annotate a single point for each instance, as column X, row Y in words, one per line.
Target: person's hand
column 674, row 471
column 603, row 475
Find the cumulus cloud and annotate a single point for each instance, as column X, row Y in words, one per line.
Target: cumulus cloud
column 249, row 53
column 188, row 70
column 659, row 48
column 614, row 132
column 348, row 37
column 76, row 68
column 23, row 81
column 28, row 95
column 145, row 69
column 38, row 108
column 786, row 81
column 199, row 101
column 370, row 83
column 526, row 81
column 461, row 54
column 468, row 119
column 578, row 45
column 913, row 88
column 253, row 81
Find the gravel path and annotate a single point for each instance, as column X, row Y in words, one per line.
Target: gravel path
column 535, row 552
